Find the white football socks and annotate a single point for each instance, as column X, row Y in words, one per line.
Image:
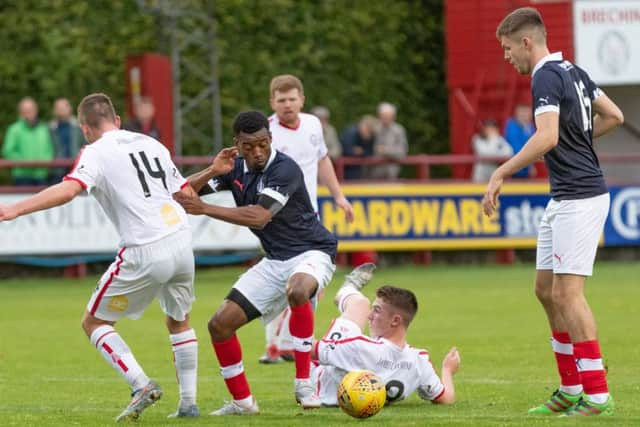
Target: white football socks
column 185, row 355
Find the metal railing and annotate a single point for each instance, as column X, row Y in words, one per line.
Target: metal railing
column 423, row 164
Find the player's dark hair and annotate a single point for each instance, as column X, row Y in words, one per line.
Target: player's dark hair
column 284, row 83
column 95, row 109
column 402, row 300
column 519, row 19
column 250, row 122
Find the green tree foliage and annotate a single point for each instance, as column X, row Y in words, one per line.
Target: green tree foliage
column 350, row 54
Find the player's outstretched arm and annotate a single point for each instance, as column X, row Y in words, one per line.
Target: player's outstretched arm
column 222, row 164
column 327, row 176
column 253, row 216
column 450, row 366
column 50, row 197
column 607, row 115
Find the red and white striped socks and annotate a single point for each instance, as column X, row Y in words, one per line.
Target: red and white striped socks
column 301, row 328
column 580, row 367
column 185, row 359
column 591, row 368
column 229, row 354
column 116, row 352
column 566, row 362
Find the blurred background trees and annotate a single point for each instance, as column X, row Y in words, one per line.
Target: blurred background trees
column 350, row 56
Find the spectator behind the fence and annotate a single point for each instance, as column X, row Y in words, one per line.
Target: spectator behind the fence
column 488, row 143
column 67, row 136
column 144, row 118
column 390, row 142
column 334, row 148
column 28, row 139
column 357, row 141
column 517, row 132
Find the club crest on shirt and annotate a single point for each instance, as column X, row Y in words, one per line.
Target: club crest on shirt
column 169, row 214
column 314, row 139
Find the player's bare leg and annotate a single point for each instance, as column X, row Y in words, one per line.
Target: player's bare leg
column 300, row 288
column 185, row 355
column 570, row 390
column 116, row 352
column 568, row 296
column 222, row 328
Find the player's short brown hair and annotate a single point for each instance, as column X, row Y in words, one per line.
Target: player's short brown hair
column 95, row 109
column 402, row 300
column 284, row 83
column 520, row 19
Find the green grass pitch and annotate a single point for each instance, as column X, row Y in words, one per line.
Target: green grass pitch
column 51, row 376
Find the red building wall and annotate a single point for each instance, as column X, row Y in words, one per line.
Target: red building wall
column 481, row 84
column 152, row 78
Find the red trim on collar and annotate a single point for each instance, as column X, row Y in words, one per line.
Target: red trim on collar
column 296, row 127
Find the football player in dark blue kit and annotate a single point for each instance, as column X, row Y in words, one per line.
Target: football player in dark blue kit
column 272, row 200
column 569, row 110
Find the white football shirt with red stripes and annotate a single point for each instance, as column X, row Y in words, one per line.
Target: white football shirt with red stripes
column 133, row 178
column 402, row 370
column 304, row 144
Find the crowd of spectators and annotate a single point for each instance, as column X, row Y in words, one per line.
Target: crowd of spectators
column 381, row 136
column 370, row 136
column 32, row 138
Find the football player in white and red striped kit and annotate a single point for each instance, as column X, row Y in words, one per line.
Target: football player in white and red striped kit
column 403, row 368
column 133, row 178
column 298, row 135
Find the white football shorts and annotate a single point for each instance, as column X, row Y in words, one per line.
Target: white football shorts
column 162, row 269
column 569, row 234
column 265, row 284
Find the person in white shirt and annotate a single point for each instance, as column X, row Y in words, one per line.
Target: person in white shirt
column 133, row 178
column 298, row 135
column 488, row 143
column 401, row 367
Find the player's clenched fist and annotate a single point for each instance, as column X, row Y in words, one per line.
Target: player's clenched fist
column 452, row 360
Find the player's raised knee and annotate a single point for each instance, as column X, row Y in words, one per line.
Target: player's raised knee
column 219, row 328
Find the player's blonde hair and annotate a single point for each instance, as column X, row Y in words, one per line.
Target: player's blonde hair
column 521, row 19
column 95, row 109
column 284, row 83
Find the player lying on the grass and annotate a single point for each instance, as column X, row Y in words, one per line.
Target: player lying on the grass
column 269, row 190
column 402, row 368
column 133, row 178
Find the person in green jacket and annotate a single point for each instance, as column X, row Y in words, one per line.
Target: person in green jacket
column 28, row 139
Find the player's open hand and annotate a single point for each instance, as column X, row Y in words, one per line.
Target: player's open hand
column 451, row 361
column 7, row 213
column 224, row 161
column 490, row 199
column 344, row 204
column 191, row 202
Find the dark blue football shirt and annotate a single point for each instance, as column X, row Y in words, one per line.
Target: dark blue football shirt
column 295, row 228
column 560, row 86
